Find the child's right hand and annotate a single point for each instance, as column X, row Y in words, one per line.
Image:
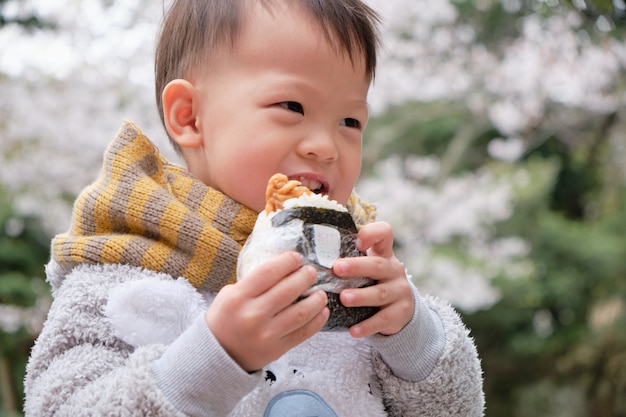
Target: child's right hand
column 256, row 320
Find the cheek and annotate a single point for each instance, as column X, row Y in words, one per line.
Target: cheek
column 248, row 182
column 351, row 171
column 352, row 163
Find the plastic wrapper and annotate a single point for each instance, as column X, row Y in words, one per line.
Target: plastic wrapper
column 322, row 231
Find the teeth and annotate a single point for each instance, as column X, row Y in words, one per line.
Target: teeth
column 311, row 184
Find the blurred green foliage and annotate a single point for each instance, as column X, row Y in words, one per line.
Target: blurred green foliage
column 23, row 254
column 28, row 20
column 555, row 343
column 497, row 20
column 563, row 329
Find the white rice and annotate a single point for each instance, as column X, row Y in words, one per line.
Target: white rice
column 314, row 200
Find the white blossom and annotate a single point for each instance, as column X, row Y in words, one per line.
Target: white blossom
column 464, row 209
column 65, row 92
column 509, row 150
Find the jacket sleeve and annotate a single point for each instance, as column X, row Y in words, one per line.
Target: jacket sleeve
column 79, row 367
column 430, row 368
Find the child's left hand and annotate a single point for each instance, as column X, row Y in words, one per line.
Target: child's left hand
column 392, row 292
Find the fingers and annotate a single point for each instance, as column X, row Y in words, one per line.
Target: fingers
column 381, row 263
column 392, row 291
column 375, row 267
column 269, row 273
column 377, row 239
column 285, row 292
column 396, row 303
column 384, row 322
column 270, row 290
column 382, row 294
column 288, row 328
column 257, row 319
column 311, row 310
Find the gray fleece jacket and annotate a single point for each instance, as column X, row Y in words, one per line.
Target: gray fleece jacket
column 124, row 341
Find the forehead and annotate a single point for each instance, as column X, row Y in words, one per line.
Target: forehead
column 284, row 22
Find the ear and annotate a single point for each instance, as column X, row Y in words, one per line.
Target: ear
column 180, row 108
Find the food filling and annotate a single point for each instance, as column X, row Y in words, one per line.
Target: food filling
column 280, row 189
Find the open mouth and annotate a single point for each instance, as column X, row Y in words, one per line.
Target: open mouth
column 316, row 186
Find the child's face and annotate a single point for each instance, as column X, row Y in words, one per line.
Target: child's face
column 282, row 100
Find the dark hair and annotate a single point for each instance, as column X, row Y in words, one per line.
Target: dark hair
column 193, row 28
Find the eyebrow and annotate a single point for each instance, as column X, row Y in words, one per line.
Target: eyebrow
column 293, row 84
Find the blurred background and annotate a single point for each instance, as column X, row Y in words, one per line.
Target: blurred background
column 496, row 148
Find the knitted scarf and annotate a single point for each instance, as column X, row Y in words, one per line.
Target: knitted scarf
column 146, row 212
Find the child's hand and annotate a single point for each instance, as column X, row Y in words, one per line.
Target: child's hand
column 391, row 293
column 256, row 320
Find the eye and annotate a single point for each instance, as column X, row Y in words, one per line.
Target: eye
column 293, row 106
column 350, row 122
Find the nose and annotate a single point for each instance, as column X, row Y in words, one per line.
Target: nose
column 320, row 145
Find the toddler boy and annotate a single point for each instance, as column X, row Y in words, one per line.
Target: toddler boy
column 148, row 318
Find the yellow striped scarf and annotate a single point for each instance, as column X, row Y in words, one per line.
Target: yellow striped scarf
column 146, row 212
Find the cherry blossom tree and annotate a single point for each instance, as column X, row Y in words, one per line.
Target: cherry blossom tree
column 483, row 113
